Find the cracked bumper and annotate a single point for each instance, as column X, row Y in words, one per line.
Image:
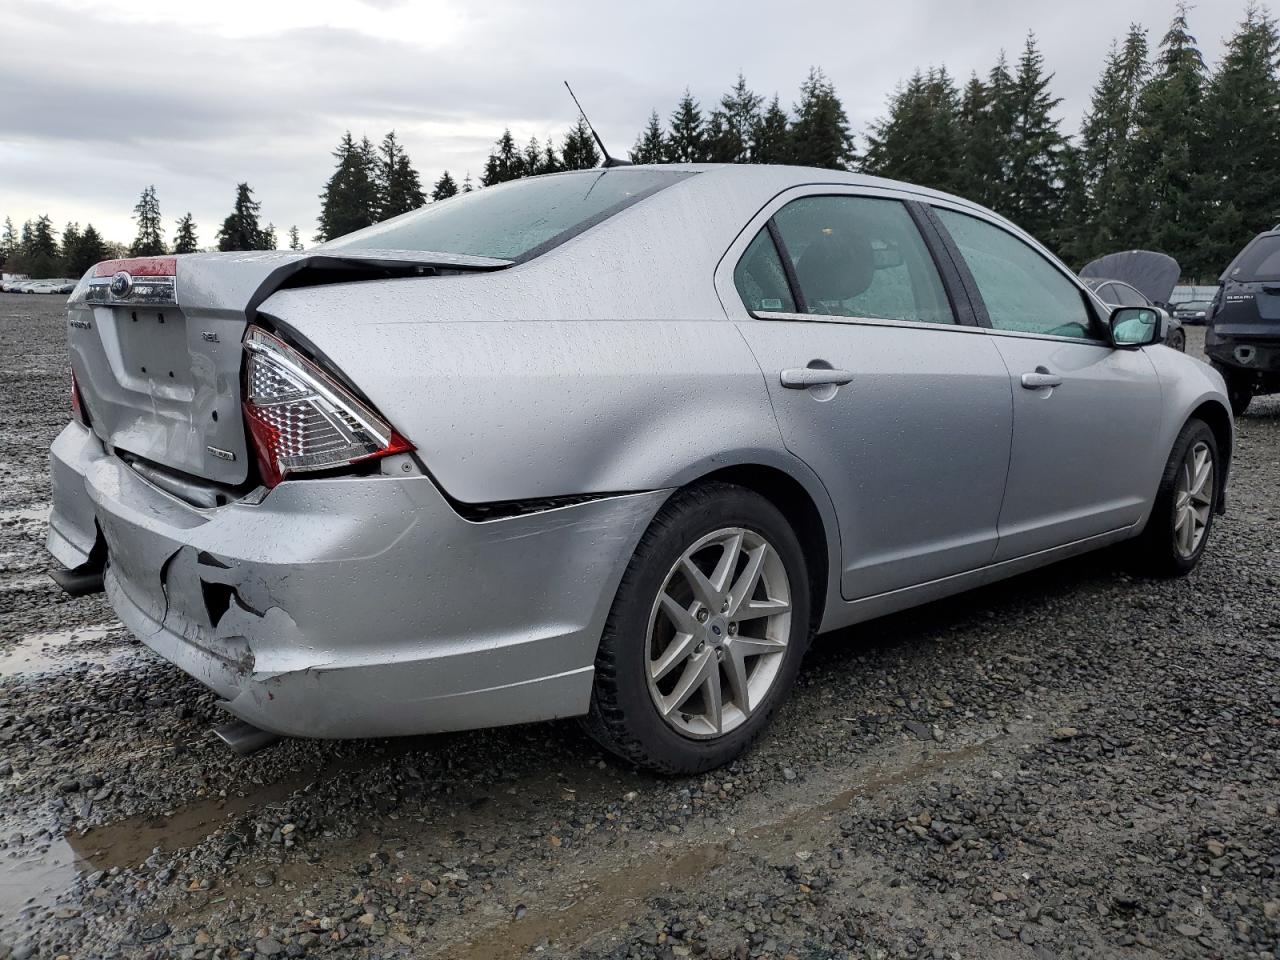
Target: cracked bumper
column 353, row 607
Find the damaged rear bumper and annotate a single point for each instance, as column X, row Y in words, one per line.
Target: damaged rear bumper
column 350, row 607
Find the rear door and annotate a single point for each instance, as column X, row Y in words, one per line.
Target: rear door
column 879, row 384
column 1086, row 416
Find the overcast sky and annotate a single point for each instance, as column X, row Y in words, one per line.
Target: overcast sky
column 102, row 97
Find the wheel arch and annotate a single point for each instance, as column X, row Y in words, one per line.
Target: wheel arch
column 810, row 515
column 1218, row 419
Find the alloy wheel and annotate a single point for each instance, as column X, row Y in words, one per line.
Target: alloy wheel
column 1193, row 499
column 718, row 632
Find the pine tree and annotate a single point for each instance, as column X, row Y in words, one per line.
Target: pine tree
column 445, row 187
column 986, row 132
column 350, row 199
column 1164, row 155
column 504, row 163
column 149, row 241
column 1033, row 189
column 919, row 140
column 531, row 161
column 651, row 144
column 398, row 184
column 820, row 134
column 269, row 241
column 71, row 240
column 1238, row 186
column 579, row 150
column 731, row 128
column 295, row 241
column 89, row 250
column 466, row 183
column 771, row 139
column 685, row 142
column 37, row 253
column 8, row 242
column 240, row 231
column 550, row 159
column 1102, row 179
column 185, row 240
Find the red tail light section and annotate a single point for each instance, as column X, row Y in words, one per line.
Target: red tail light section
column 300, row 419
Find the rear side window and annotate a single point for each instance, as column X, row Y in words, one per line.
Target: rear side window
column 861, row 257
column 1023, row 291
column 761, row 279
column 517, row 220
column 1260, row 260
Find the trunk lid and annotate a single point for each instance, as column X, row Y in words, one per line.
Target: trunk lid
column 156, row 349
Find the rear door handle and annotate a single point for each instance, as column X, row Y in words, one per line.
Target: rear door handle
column 801, row 378
column 1041, row 378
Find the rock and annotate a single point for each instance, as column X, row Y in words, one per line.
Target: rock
column 6, row 768
column 1215, row 848
column 1271, row 909
column 919, row 730
column 1066, row 733
column 269, row 947
column 1187, row 930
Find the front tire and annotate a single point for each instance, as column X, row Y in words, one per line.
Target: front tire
column 1178, row 341
column 1176, row 535
column 705, row 635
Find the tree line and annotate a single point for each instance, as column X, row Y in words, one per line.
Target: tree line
column 1170, row 155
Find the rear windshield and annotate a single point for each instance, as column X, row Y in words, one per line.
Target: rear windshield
column 1260, row 260
column 513, row 221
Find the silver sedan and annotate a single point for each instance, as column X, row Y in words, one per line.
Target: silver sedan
column 612, row 444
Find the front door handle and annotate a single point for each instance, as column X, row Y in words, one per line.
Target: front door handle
column 1041, row 378
column 801, row 378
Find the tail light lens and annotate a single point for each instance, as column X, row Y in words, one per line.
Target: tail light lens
column 300, row 419
column 78, row 411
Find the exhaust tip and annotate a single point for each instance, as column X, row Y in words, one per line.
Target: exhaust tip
column 244, row 738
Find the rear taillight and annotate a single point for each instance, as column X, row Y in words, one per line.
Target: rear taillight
column 300, row 419
column 78, row 412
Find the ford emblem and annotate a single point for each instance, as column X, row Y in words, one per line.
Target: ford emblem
column 121, row 285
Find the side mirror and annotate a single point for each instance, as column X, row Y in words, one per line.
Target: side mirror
column 1133, row 327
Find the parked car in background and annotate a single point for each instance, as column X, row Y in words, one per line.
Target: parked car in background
column 610, row 443
column 1192, row 311
column 1243, row 334
column 1117, row 293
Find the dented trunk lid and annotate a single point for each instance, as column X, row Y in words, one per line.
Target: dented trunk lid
column 155, row 344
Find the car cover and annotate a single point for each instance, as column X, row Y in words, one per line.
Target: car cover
column 1155, row 274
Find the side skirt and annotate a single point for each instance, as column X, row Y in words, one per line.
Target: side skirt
column 842, row 613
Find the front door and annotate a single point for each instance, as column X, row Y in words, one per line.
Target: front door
column 1086, row 416
column 903, row 413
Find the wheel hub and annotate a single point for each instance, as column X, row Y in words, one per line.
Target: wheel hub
column 718, row 633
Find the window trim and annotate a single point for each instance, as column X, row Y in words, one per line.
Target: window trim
column 1088, row 298
column 736, row 309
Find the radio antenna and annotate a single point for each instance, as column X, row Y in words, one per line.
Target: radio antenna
column 608, row 160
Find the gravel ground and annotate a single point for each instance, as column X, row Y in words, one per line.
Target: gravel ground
column 1075, row 763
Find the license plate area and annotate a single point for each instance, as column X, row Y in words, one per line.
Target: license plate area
column 153, row 351
column 1268, row 305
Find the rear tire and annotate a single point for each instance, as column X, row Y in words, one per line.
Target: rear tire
column 671, row 699
column 1182, row 518
column 1239, row 388
column 1178, row 341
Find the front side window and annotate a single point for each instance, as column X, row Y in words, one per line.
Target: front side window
column 1129, row 296
column 516, row 220
column 1023, row 291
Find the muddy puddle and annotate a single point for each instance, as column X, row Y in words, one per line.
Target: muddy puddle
column 39, row 653
column 36, row 514
column 35, row 874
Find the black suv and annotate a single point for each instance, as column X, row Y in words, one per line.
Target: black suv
column 1243, row 335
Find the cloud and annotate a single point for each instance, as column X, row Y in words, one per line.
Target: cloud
column 109, row 96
